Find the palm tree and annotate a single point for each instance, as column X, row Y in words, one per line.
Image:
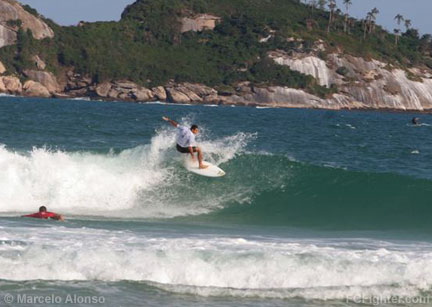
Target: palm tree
column 408, row 24
column 369, row 22
column 366, row 24
column 399, row 18
column 374, row 14
column 347, row 3
column 322, row 4
column 332, row 6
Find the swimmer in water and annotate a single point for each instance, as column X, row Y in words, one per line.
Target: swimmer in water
column 44, row 214
column 415, row 121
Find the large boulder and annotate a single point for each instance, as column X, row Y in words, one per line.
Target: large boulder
column 160, row 93
column 77, row 81
column 103, row 89
column 114, row 93
column 78, row 92
column 142, row 94
column 125, row 84
column 177, row 96
column 2, row 86
column 32, row 88
column 47, row 79
column 189, row 93
column 12, row 84
column 12, row 10
column 7, row 36
column 2, row 68
column 199, row 89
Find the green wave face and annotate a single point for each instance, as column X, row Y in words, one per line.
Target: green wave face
column 287, row 193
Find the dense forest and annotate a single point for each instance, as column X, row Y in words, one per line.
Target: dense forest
column 146, row 46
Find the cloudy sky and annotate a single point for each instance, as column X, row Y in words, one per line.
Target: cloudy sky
column 70, row 12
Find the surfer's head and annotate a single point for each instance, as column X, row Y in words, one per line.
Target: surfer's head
column 194, row 129
column 42, row 209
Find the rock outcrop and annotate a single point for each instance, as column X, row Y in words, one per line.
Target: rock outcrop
column 124, row 90
column 142, row 94
column 47, row 79
column 10, row 10
column 103, row 89
column 159, row 93
column 199, row 23
column 189, row 92
column 2, row 68
column 38, row 62
column 35, row 89
column 78, row 85
column 361, row 83
column 12, row 85
column 7, row 36
column 177, row 96
column 2, row 86
column 308, row 65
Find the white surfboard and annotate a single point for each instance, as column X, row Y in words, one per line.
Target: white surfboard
column 211, row 171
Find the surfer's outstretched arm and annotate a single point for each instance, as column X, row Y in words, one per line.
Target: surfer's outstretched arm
column 174, row 123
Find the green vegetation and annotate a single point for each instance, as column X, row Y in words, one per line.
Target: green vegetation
column 147, row 47
column 14, row 23
column 343, row 71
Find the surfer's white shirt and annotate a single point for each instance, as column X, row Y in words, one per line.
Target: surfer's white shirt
column 185, row 137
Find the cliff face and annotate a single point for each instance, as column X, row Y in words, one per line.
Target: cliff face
column 199, row 23
column 362, row 83
column 10, row 10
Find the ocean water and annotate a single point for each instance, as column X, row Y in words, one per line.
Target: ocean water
column 318, row 208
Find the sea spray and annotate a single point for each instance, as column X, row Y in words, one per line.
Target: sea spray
column 146, row 181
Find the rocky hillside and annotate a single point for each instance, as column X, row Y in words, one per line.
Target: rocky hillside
column 13, row 16
column 278, row 53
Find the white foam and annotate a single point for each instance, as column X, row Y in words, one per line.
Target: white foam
column 218, row 265
column 146, row 181
column 81, row 98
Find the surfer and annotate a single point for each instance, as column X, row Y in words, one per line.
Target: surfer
column 44, row 214
column 415, row 121
column 186, row 141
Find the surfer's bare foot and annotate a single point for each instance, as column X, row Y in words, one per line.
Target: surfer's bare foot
column 202, row 166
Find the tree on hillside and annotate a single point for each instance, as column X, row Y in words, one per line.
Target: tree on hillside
column 397, row 33
column 426, row 44
column 370, row 21
column 322, row 4
column 408, row 24
column 313, row 4
column 374, row 13
column 332, row 7
column 399, row 18
column 366, row 22
column 347, row 3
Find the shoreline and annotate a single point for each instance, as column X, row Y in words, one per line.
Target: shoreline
column 64, row 96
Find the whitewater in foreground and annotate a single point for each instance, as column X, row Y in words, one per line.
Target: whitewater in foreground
column 318, row 208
